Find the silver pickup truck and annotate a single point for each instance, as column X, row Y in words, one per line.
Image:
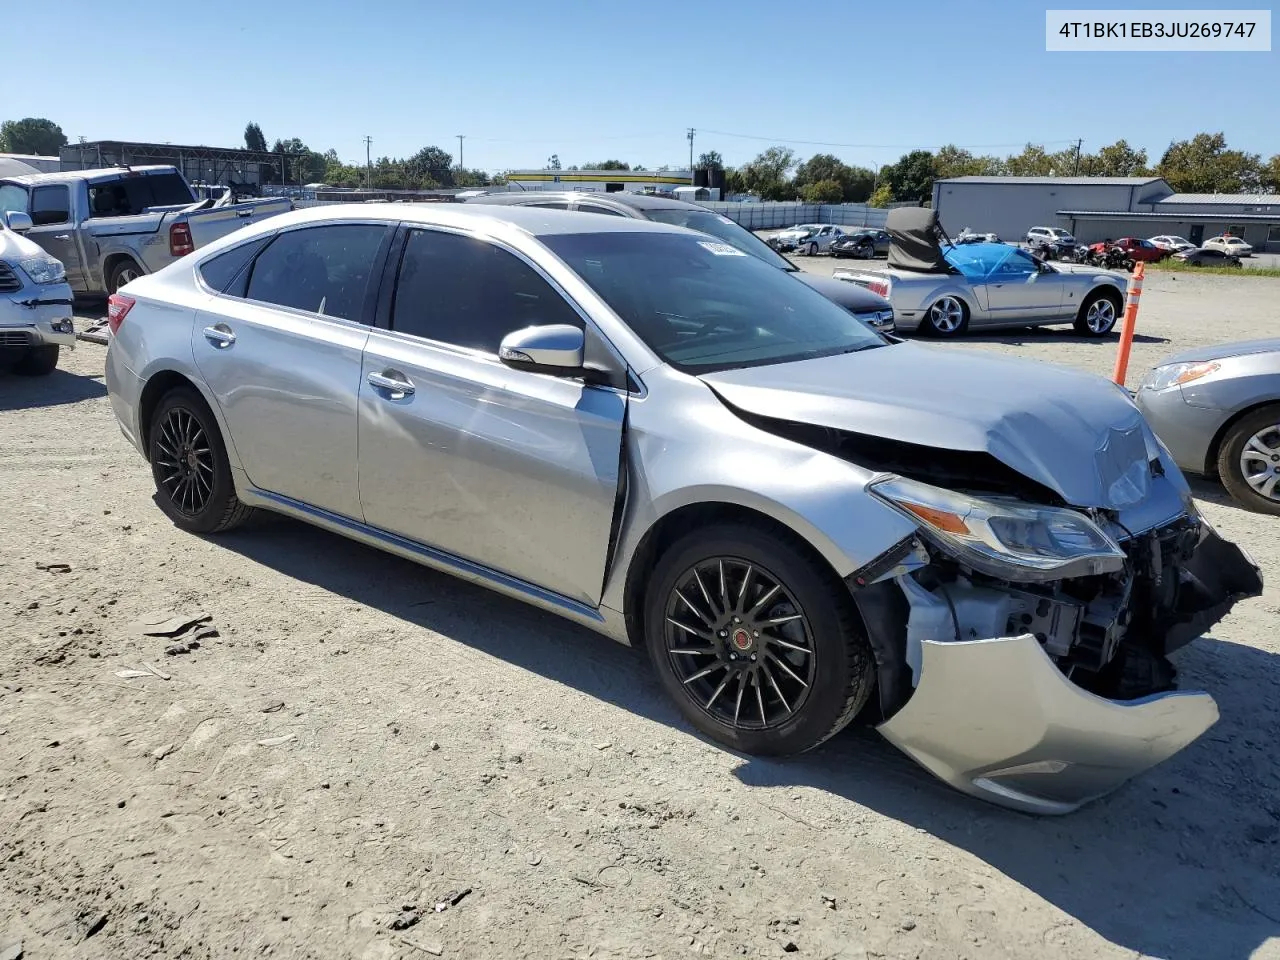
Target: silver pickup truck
column 110, row 226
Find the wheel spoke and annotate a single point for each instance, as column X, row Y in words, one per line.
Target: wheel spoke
column 719, row 690
column 724, row 591
column 705, row 671
column 742, row 591
column 779, row 620
column 788, row 645
column 764, row 668
column 694, row 651
column 696, row 631
column 700, row 615
column 764, row 717
column 737, row 704
column 765, row 598
column 1255, row 444
column 701, row 586
column 787, row 670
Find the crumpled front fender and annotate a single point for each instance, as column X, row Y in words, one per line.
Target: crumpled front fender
column 996, row 719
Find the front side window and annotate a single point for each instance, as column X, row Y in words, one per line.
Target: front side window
column 703, row 305
column 50, row 205
column 596, row 208
column 470, row 293
column 13, row 198
column 325, row 270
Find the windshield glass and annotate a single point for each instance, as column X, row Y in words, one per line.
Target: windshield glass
column 705, row 221
column 703, row 305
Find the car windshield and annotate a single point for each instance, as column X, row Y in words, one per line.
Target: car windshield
column 703, row 305
column 705, row 221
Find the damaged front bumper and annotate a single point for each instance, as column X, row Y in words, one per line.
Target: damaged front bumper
column 997, row 718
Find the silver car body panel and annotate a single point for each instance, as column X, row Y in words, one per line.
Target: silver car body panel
column 1190, row 418
column 35, row 314
column 1053, row 296
column 546, row 489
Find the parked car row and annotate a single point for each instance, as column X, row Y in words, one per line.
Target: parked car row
column 933, row 541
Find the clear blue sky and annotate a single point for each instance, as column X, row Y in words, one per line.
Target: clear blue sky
column 598, row 79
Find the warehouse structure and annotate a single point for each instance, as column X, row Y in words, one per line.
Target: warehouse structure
column 1098, row 208
column 606, row 181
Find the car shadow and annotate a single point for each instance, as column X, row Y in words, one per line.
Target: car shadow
column 1019, row 336
column 1179, row 864
column 57, row 388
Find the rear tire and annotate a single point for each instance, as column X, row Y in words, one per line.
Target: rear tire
column 759, row 690
column 1098, row 314
column 125, row 271
column 947, row 317
column 190, row 466
column 1253, row 440
column 38, row 361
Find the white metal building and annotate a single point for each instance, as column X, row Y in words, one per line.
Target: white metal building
column 607, row 181
column 1097, row 208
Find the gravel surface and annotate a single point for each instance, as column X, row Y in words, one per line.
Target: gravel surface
column 371, row 760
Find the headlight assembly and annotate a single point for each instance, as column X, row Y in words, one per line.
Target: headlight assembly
column 1176, row 374
column 1006, row 539
column 43, row 270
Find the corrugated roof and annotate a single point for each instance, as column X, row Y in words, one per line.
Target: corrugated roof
column 1253, row 199
column 1186, row 216
column 1062, row 181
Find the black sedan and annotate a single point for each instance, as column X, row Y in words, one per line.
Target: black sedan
column 1206, row 257
column 861, row 245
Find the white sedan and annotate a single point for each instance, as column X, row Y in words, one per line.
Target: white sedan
column 1232, row 246
column 1176, row 244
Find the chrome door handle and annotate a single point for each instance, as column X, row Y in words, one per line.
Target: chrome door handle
column 398, row 388
column 62, row 236
column 219, row 336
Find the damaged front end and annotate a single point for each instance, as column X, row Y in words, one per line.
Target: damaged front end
column 1023, row 648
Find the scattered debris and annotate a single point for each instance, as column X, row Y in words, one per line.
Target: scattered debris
column 54, row 567
column 433, row 950
column 790, row 946
column 908, row 925
column 435, row 745
column 93, row 924
column 96, row 332
column 163, row 751
column 451, row 899
column 166, row 623
column 533, row 859
column 407, row 918
column 129, row 674
column 271, row 706
column 828, row 901
column 11, row 950
column 276, row 741
column 159, row 673
column 604, row 746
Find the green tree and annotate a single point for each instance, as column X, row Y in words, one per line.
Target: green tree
column 607, row 165
column 431, row 165
column 1033, row 161
column 253, row 138
column 855, row 183
column 1203, row 164
column 1271, row 175
column 824, row 191
column 952, row 161
column 766, row 175
column 710, row 160
column 553, row 162
column 911, row 178
column 34, row 135
column 1115, row 160
column 882, row 197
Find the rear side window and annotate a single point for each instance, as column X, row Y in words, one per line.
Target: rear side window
column 552, row 205
column 130, row 195
column 469, row 293
column 227, row 272
column 50, row 205
column 325, row 270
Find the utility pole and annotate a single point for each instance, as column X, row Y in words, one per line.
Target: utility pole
column 368, row 162
column 1079, row 143
column 690, row 135
column 461, row 137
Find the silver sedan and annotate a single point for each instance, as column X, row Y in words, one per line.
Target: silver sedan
column 655, row 435
column 1217, row 409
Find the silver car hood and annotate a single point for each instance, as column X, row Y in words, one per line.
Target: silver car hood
column 1224, row 351
column 1072, row 432
column 1062, row 266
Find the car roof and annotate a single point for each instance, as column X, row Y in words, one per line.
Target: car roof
column 66, row 176
column 533, row 221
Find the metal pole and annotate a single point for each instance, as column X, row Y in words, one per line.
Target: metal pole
column 461, row 137
column 691, row 177
column 1079, row 143
column 368, row 162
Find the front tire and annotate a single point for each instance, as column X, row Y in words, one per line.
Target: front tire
column 1249, row 460
column 190, row 467
column 756, row 640
column 947, row 317
column 38, row 361
column 1098, row 315
column 812, row 250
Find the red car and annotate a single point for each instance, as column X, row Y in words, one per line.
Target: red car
column 1136, row 248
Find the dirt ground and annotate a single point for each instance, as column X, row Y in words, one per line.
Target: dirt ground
column 371, row 760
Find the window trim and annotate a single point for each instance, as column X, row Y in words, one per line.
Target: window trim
column 369, row 307
column 31, row 199
column 390, row 280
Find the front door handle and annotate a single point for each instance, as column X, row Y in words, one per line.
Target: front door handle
column 393, row 382
column 62, row 236
column 220, row 335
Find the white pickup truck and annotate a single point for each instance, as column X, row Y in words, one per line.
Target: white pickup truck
column 111, row 226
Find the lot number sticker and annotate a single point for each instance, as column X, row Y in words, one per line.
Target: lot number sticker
column 721, row 249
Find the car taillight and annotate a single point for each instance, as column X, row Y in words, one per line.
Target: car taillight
column 180, row 242
column 118, row 307
column 879, row 286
